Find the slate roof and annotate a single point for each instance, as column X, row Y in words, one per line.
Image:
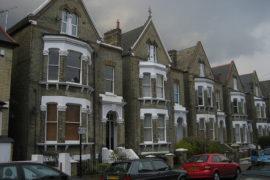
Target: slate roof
column 246, row 80
column 6, row 39
column 221, row 72
column 130, row 37
column 185, row 57
column 265, row 85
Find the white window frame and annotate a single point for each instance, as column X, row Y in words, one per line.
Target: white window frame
column 176, row 94
column 111, row 80
column 147, row 85
column 218, row 100
column 161, row 87
column 237, row 133
column 235, row 83
column 69, row 24
column 46, row 121
column 80, row 83
column 151, row 128
column 164, row 128
column 48, row 66
column 201, row 96
column 202, row 70
column 152, row 53
column 209, row 94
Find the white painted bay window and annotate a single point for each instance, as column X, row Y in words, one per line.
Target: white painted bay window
column 176, row 93
column 73, row 67
column 160, row 86
column 53, row 65
column 161, row 128
column 73, row 116
column 146, row 85
column 51, row 122
column 109, row 79
column 148, row 128
column 200, row 96
column 69, row 23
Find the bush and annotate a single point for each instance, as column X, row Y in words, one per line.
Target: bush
column 200, row 146
column 264, row 141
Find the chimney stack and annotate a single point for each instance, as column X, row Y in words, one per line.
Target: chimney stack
column 113, row 37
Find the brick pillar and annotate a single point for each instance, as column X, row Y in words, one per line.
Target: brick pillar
column 43, row 112
column 120, row 134
column 61, row 123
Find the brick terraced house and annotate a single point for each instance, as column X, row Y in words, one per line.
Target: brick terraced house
column 239, row 128
column 7, row 44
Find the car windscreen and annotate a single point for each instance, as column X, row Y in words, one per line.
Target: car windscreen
column 122, row 167
column 198, row 158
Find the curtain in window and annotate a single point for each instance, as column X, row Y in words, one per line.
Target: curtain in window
column 146, row 85
column 51, row 122
column 53, row 64
column 73, row 67
column 72, row 122
column 161, row 127
column 109, row 79
column 159, row 86
column 147, row 125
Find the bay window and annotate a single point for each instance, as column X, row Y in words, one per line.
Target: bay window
column 73, row 67
column 147, row 125
column 176, row 93
column 161, row 128
column 53, row 65
column 109, row 79
column 69, row 24
column 73, row 116
column 200, row 96
column 160, row 86
column 51, row 122
column 146, row 85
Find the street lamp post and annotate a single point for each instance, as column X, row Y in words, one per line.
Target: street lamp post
column 81, row 131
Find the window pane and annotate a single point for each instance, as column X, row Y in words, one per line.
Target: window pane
column 159, row 88
column 74, row 30
column 147, row 121
column 51, row 130
column 200, row 95
column 53, row 56
column 53, row 73
column 160, row 165
column 74, row 19
column 38, row 171
column 146, row 85
column 72, row 132
column 73, row 113
column 74, row 59
column 109, row 79
column 145, row 166
column 73, row 75
column 147, row 128
column 73, row 67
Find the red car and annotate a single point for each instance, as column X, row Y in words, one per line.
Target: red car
column 211, row 166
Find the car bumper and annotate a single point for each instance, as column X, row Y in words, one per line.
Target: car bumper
column 200, row 174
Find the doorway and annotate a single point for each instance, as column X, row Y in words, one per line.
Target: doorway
column 111, row 132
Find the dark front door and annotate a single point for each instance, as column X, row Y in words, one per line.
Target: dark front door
column 110, row 131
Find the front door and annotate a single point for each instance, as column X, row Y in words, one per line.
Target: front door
column 111, row 131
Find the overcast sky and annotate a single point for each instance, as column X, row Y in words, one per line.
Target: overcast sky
column 236, row 30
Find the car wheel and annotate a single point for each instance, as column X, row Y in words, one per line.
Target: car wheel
column 216, row 176
column 237, row 173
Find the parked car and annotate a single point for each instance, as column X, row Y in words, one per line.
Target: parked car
column 29, row 171
column 214, row 166
column 264, row 155
column 145, row 169
column 259, row 171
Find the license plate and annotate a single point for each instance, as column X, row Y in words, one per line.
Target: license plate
column 113, row 178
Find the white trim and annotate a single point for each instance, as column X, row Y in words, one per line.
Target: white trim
column 206, row 117
column 264, row 125
column 48, row 64
column 241, row 123
column 204, row 83
column 64, row 43
column 154, row 113
column 238, row 95
column 43, row 5
column 64, row 100
column 152, row 68
column 109, row 45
